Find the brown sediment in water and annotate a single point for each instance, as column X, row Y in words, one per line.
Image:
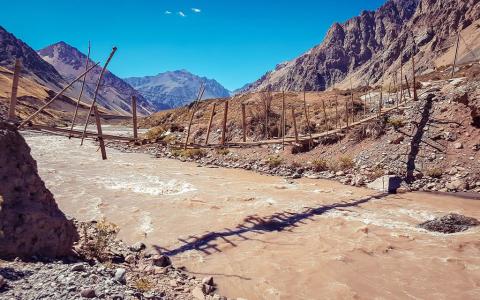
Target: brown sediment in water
column 263, row 237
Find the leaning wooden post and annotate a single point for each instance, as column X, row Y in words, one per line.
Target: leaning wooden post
column 13, row 96
column 415, row 96
column 401, row 78
column 456, row 53
column 55, row 98
column 408, row 88
column 294, row 125
column 353, row 105
column 100, row 134
column 81, row 93
column 194, row 108
column 283, row 120
column 224, row 127
column 346, row 113
column 244, row 123
column 134, row 115
column 212, row 114
column 114, row 49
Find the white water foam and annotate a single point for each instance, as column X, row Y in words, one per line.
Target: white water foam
column 144, row 184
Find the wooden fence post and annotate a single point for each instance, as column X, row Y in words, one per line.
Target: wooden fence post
column 13, row 96
column 244, row 123
column 294, row 125
column 408, row 88
column 456, row 53
column 224, row 125
column 415, row 96
column 100, row 134
column 194, row 109
column 336, row 110
column 325, row 114
column 346, row 112
column 210, row 122
column 307, row 122
column 401, row 78
column 134, row 115
column 81, row 91
column 283, row 120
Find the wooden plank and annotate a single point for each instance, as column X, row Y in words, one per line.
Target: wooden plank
column 81, row 90
column 294, row 124
column 134, row 117
column 224, row 123
column 55, row 98
column 212, row 114
column 244, row 123
column 415, row 96
column 13, row 96
column 99, row 132
column 99, row 82
column 76, row 133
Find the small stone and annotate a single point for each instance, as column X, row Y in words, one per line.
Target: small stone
column 88, row 293
column 130, row 259
column 197, row 293
column 207, row 289
column 456, row 184
column 208, row 280
column 161, row 261
column 137, row 247
column 340, row 173
column 78, row 267
column 458, row 146
column 120, row 275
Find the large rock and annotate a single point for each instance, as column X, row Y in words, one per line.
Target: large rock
column 387, row 184
column 31, row 224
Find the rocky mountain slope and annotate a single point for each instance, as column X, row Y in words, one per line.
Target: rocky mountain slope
column 177, row 88
column 11, row 48
column 361, row 47
column 115, row 93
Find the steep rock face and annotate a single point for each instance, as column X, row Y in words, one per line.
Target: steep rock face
column 115, row 94
column 12, row 48
column 361, row 47
column 177, row 88
column 31, row 224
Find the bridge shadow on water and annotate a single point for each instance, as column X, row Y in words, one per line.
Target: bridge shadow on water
column 278, row 222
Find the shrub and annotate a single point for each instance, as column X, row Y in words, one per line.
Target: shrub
column 189, row 153
column 222, row 151
column 143, row 285
column 97, row 243
column 395, row 123
column 434, row 172
column 346, row 162
column 320, row 165
column 155, row 132
column 274, row 161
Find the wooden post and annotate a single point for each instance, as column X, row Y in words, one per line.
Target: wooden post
column 100, row 134
column 81, row 91
column 415, row 96
column 325, row 114
column 99, row 82
column 55, row 98
column 456, row 53
column 134, row 115
column 351, row 95
column 336, row 110
column 224, row 127
column 294, row 125
column 210, row 122
column 194, row 108
column 283, row 120
column 408, row 88
column 13, row 96
column 244, row 123
column 365, row 102
column 380, row 103
column 401, row 78
column 307, row 122
column 346, row 113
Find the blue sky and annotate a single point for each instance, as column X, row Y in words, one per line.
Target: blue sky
column 232, row 41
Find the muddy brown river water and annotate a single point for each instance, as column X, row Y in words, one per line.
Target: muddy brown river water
column 264, row 237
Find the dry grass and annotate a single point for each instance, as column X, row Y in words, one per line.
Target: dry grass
column 320, row 165
column 143, row 284
column 97, row 241
column 274, row 161
column 434, row 172
column 189, row 153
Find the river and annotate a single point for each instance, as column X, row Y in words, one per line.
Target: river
column 264, row 237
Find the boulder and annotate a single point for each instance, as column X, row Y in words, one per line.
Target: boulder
column 387, row 184
column 31, row 224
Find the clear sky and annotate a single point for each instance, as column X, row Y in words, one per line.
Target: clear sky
column 232, row 41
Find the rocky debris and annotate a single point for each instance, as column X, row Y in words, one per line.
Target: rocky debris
column 387, row 183
column 30, row 221
column 450, row 223
column 2, row 282
column 137, row 247
column 161, row 261
column 120, row 275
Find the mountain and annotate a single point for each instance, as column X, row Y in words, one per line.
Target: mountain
column 12, row 48
column 115, row 94
column 177, row 88
column 359, row 48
